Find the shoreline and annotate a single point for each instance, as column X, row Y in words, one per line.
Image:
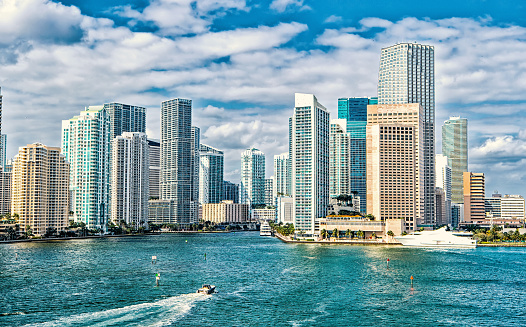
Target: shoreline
column 53, row 239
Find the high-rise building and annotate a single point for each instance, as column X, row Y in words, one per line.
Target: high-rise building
column 474, row 193
column 86, row 145
column 125, row 118
column 252, row 177
column 309, row 129
column 40, row 189
column 407, row 75
column 455, row 148
column 3, row 149
column 230, row 191
column 196, row 144
column 339, row 167
column 5, row 191
column 1, row 96
column 130, row 179
column 269, row 190
column 394, row 162
column 282, row 182
column 457, row 214
column 154, row 150
column 354, row 111
column 177, row 172
column 210, row 175
column 443, row 181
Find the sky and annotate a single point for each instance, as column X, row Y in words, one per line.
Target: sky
column 241, row 62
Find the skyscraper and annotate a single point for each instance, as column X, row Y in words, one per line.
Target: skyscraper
column 230, row 191
column 154, row 150
column 3, row 148
column 394, row 162
column 282, row 182
column 211, row 168
column 130, row 179
column 474, row 193
column 196, row 159
column 455, row 148
column 40, row 189
column 269, row 190
column 354, row 111
column 1, row 96
column 86, row 145
column 252, row 177
column 125, row 118
column 176, row 157
column 407, row 75
column 443, row 181
column 339, row 167
column 309, row 129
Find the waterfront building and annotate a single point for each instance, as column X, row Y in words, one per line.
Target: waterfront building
column 230, row 191
column 407, row 75
column 5, row 191
column 161, row 212
column 40, row 189
column 455, row 148
column 3, row 149
column 1, row 97
column 512, row 207
column 309, row 128
column 125, row 118
column 177, row 172
column 474, row 192
column 210, row 175
column 269, row 190
column 440, row 207
column 339, row 165
column 492, row 206
column 457, row 214
column 130, row 179
column 354, row 111
column 86, row 145
column 226, row 212
column 284, row 210
column 282, row 182
column 263, row 214
column 394, row 163
column 154, row 151
column 443, row 181
column 195, row 189
column 252, row 177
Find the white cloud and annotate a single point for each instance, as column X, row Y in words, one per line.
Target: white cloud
column 333, row 19
column 282, row 5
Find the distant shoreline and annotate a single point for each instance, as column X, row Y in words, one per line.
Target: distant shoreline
column 52, row 239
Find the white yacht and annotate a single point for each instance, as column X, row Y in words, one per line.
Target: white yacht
column 265, row 230
column 438, row 238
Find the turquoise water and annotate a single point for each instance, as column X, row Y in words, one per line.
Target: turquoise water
column 261, row 282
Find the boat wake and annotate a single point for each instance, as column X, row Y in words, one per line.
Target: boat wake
column 160, row 313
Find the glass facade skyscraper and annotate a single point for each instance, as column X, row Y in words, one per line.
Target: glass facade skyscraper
column 210, row 175
column 407, row 75
column 86, row 144
column 354, row 110
column 125, row 118
column 252, row 177
column 455, row 148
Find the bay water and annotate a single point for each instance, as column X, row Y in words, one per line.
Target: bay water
column 260, row 282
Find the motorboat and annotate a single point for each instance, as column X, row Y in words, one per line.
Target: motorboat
column 265, row 229
column 207, row 289
column 438, row 238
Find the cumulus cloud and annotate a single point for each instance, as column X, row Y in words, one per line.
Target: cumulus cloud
column 249, row 74
column 333, row 19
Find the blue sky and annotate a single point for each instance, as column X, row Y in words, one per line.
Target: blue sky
column 241, row 62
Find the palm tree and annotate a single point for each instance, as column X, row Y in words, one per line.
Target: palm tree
column 348, row 233
column 323, row 233
column 373, row 235
column 390, row 233
column 336, row 233
column 360, row 234
column 28, row 232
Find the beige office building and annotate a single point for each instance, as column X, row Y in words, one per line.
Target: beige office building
column 394, row 162
column 226, row 212
column 40, row 188
column 5, row 191
column 474, row 194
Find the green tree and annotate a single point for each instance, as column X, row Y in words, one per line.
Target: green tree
column 348, row 233
column 336, row 233
column 29, row 232
column 360, row 234
column 323, row 232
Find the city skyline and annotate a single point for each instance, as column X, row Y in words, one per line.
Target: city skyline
column 343, row 49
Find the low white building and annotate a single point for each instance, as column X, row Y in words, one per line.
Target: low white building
column 263, row 214
column 284, row 210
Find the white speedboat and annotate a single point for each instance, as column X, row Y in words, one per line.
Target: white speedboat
column 265, row 230
column 207, row 289
column 438, row 238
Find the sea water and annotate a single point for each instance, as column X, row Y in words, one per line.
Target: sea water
column 260, row 282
